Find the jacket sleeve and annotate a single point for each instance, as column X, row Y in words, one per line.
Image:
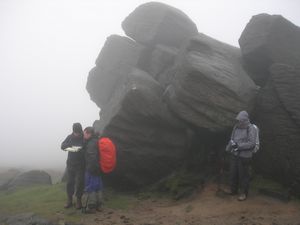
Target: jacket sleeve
column 66, row 143
column 250, row 142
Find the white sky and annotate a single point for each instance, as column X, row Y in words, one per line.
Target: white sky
column 47, row 48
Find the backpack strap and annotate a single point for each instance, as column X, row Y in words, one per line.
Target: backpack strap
column 255, row 149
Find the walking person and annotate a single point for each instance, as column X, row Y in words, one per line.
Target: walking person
column 241, row 147
column 75, row 166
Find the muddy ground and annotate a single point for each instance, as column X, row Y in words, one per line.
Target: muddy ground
column 205, row 208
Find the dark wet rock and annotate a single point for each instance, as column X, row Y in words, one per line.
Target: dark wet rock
column 158, row 60
column 209, row 86
column 115, row 61
column 278, row 116
column 150, row 141
column 30, row 178
column 156, row 23
column 269, row 39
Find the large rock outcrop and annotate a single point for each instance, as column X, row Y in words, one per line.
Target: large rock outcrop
column 269, row 39
column 155, row 86
column 209, row 86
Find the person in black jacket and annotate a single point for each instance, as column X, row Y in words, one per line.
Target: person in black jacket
column 75, row 165
column 93, row 181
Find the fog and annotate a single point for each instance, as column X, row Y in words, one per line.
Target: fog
column 47, row 48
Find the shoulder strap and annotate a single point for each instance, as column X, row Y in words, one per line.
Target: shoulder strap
column 232, row 133
column 251, row 125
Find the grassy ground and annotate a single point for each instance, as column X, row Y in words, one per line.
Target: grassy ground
column 48, row 201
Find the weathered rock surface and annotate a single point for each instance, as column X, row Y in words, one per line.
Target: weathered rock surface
column 157, row 23
column 209, row 86
column 158, row 60
column 30, row 178
column 150, row 142
column 278, row 115
column 269, row 39
column 117, row 57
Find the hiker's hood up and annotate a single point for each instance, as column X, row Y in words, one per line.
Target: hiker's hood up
column 242, row 116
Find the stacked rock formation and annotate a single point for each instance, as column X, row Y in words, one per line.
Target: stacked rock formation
column 165, row 78
column 153, row 86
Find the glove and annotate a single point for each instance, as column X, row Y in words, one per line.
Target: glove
column 234, row 146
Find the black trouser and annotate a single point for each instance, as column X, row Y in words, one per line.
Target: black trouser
column 75, row 181
column 239, row 174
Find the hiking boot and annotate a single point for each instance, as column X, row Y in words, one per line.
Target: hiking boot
column 69, row 204
column 78, row 203
column 242, row 197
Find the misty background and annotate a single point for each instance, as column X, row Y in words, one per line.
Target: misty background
column 47, row 48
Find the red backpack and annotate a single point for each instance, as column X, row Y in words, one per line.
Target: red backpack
column 107, row 153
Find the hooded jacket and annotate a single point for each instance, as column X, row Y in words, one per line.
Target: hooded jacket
column 244, row 134
column 75, row 159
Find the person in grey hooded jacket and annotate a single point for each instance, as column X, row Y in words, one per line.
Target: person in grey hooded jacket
column 241, row 146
